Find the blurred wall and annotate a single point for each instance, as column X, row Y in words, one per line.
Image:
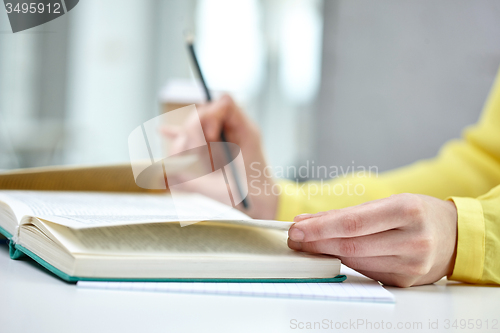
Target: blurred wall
column 399, row 78
column 71, row 90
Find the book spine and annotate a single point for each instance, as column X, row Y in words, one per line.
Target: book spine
column 14, row 253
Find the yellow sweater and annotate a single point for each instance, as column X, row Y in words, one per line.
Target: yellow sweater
column 466, row 171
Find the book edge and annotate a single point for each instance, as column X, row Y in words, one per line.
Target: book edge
column 16, row 250
column 69, row 278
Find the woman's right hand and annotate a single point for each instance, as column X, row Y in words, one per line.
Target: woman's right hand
column 225, row 115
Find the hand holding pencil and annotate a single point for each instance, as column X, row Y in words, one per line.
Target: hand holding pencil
column 239, row 129
column 222, row 120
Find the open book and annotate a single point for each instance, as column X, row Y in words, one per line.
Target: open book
column 120, row 236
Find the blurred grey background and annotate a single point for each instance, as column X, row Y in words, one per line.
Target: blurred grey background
column 400, row 78
column 369, row 83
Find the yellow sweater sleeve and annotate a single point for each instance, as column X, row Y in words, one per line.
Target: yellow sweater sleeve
column 478, row 247
column 464, row 169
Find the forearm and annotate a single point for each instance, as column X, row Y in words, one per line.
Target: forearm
column 462, row 168
column 316, row 196
column 468, row 167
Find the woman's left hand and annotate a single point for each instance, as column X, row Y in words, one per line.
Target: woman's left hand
column 403, row 240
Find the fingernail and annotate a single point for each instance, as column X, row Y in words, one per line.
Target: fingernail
column 302, row 216
column 294, row 245
column 296, row 234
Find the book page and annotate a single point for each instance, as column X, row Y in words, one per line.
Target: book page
column 201, row 239
column 95, row 209
column 11, row 212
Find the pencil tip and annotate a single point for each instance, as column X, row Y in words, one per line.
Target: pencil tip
column 189, row 36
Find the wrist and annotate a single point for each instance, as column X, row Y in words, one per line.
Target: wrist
column 453, row 217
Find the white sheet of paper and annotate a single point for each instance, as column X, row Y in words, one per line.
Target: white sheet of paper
column 357, row 287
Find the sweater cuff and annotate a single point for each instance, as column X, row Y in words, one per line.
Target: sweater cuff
column 469, row 262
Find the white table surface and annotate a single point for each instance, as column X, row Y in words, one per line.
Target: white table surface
column 32, row 300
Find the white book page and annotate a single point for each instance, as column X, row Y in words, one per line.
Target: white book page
column 11, row 213
column 19, row 208
column 93, row 209
column 202, row 239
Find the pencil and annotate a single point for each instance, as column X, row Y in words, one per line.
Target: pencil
column 208, row 95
